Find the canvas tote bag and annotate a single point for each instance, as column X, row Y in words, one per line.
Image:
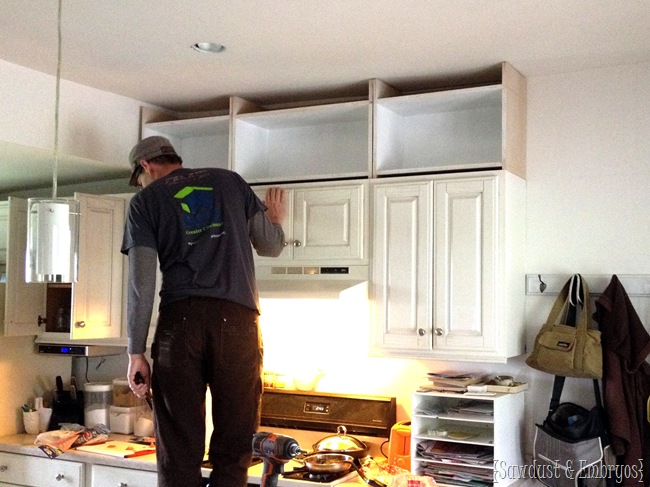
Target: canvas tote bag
column 565, row 350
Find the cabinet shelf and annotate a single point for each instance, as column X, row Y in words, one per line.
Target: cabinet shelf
column 315, row 142
column 201, row 142
column 440, row 131
column 458, row 464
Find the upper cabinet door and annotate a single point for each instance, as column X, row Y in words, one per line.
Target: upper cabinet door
column 402, row 267
column 97, row 295
column 465, row 257
column 324, row 224
column 23, row 302
column 328, row 224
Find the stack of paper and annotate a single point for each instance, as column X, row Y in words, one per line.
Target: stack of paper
column 472, row 407
column 459, row 475
column 455, row 381
column 455, row 453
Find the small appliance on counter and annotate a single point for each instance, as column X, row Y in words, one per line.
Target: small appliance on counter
column 67, row 406
column 399, row 449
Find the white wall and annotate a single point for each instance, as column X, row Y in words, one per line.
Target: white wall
column 25, row 375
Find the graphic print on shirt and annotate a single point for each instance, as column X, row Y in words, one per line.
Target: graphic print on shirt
column 200, row 214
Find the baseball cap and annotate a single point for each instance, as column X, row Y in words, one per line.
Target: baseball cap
column 147, row 149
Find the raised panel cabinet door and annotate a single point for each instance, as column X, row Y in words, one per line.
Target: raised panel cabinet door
column 402, row 266
column 23, row 302
column 329, row 224
column 97, row 295
column 465, row 256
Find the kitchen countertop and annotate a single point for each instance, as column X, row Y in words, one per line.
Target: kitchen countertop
column 23, row 444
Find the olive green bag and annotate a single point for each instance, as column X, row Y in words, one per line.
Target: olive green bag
column 563, row 349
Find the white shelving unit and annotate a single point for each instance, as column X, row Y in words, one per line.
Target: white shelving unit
column 440, row 131
column 314, row 142
column 498, row 434
column 201, row 142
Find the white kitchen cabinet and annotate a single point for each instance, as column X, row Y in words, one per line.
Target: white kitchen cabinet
column 324, row 224
column 310, row 142
column 31, row 471
column 492, row 424
column 104, row 476
column 481, row 127
column 91, row 307
column 201, row 142
column 447, row 265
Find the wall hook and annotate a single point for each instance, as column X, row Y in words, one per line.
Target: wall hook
column 542, row 284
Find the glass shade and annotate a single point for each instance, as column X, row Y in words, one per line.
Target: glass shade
column 52, row 240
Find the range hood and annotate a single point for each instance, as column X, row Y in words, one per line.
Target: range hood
column 308, row 281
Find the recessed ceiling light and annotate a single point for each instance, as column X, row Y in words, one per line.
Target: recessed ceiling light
column 208, row 47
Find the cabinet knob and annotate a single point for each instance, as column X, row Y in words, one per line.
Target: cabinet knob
column 297, row 243
column 60, row 477
column 41, row 320
column 438, row 331
column 80, row 324
column 422, row 332
column 123, row 484
column 285, row 243
column 3, row 468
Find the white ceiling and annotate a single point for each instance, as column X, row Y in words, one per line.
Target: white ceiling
column 280, row 50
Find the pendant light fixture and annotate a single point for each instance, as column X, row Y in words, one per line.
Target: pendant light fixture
column 52, row 224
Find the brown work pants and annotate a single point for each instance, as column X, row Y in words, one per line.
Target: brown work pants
column 203, row 342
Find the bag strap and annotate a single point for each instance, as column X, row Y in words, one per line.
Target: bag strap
column 558, row 386
column 574, row 293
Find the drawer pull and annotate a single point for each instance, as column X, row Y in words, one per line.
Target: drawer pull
column 60, row 477
column 3, row 468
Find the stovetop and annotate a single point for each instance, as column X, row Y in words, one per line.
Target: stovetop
column 309, row 417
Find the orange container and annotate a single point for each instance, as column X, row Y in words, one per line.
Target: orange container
column 399, row 449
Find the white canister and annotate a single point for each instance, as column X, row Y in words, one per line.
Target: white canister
column 98, row 397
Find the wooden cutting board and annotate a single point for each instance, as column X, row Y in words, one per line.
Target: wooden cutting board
column 117, row 448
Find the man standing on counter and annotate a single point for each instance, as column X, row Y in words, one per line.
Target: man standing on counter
column 199, row 224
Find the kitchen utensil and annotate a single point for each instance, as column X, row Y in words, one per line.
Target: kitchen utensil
column 139, row 380
column 328, row 462
column 343, row 443
column 369, row 481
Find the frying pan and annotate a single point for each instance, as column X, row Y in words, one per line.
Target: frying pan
column 328, row 462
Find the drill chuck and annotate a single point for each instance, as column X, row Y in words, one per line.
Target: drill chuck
column 274, row 447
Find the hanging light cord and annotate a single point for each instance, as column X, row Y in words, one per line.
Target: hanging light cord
column 56, row 105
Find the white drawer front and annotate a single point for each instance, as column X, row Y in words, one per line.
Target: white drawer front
column 39, row 472
column 103, row 476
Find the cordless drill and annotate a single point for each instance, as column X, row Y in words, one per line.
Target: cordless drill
column 275, row 450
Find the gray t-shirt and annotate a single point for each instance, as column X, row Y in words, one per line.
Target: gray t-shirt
column 197, row 221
